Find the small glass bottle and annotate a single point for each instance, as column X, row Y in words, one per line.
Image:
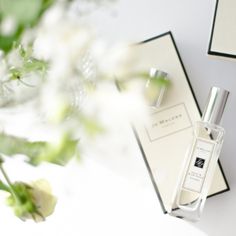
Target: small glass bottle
column 156, row 87
column 201, row 159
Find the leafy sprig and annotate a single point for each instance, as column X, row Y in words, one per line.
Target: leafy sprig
column 25, row 14
column 24, row 198
column 37, row 152
column 29, row 65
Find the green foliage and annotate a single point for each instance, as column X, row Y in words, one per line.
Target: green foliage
column 33, row 201
column 10, row 145
column 6, row 41
column 90, row 125
column 58, row 153
column 29, row 64
column 22, row 201
column 4, row 187
column 37, row 152
column 25, row 14
column 25, row 69
column 20, row 197
column 24, row 11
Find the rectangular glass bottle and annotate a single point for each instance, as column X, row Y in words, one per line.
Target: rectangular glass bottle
column 201, row 159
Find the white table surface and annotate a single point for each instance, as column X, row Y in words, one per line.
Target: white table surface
column 190, row 22
column 101, row 197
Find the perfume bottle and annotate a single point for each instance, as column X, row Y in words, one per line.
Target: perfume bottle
column 201, row 159
column 154, row 93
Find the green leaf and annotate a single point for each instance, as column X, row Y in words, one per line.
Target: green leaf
column 90, row 125
column 22, row 201
column 4, row 187
column 29, row 64
column 23, row 11
column 37, row 152
column 10, row 145
column 58, row 153
column 34, row 201
column 6, row 42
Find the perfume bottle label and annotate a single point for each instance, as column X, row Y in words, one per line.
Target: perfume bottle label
column 168, row 121
column 197, row 169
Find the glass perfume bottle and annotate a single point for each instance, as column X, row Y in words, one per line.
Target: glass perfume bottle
column 201, row 159
column 155, row 94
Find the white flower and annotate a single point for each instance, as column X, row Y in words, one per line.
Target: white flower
column 28, row 37
column 60, row 38
column 14, row 59
column 115, row 106
column 31, row 201
column 116, row 60
column 43, row 198
column 3, row 69
column 115, row 111
column 8, row 26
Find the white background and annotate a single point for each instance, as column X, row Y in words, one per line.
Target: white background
column 190, row 22
column 117, row 197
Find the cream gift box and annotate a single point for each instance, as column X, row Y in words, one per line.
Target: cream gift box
column 165, row 139
column 223, row 34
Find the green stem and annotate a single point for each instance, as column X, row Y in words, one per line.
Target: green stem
column 11, row 188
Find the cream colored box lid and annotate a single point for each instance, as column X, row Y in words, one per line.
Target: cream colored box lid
column 223, row 34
